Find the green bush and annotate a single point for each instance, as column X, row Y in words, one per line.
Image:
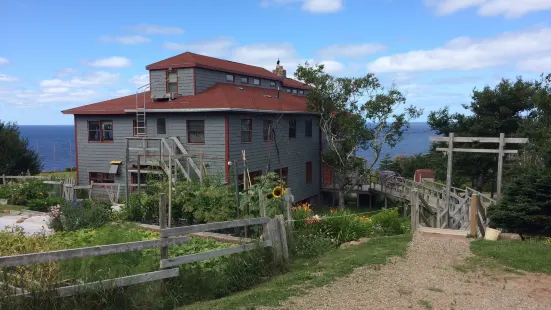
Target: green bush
column 19, row 193
column 343, row 226
column 388, row 223
column 44, row 204
column 84, row 214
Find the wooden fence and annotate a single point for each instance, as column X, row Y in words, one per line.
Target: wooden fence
column 274, row 236
column 421, row 211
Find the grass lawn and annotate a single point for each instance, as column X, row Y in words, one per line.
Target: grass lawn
column 305, row 274
column 531, row 256
column 11, row 207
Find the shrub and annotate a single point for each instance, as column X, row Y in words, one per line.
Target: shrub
column 19, row 193
column 81, row 214
column 388, row 223
column 44, row 204
column 344, row 226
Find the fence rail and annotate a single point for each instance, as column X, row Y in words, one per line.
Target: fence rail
column 274, row 236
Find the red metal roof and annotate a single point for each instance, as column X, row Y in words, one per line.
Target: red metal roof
column 191, row 60
column 294, row 83
column 219, row 96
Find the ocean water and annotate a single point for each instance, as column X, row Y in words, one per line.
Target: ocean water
column 56, row 144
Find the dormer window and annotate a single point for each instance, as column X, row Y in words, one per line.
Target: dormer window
column 256, row 82
column 294, row 91
column 272, row 84
column 230, row 77
column 172, row 82
column 301, row 92
column 288, row 90
column 244, row 80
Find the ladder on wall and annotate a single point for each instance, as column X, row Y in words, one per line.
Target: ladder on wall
column 140, row 129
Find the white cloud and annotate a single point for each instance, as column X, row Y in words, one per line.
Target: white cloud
column 155, row 29
column 507, row 8
column 22, row 98
column 332, row 67
column 350, row 50
column 123, row 92
column 3, row 61
column 266, row 55
column 216, row 48
column 464, row 53
column 7, row 78
column 537, row 65
column 92, row 80
column 125, row 39
column 65, row 72
column 140, row 80
column 311, row 6
column 110, row 62
column 56, row 90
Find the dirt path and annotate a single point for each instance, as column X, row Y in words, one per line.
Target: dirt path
column 426, row 279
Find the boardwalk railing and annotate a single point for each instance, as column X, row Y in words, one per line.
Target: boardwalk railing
column 274, row 236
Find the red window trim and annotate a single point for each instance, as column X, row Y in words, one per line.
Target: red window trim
column 250, row 131
column 309, row 172
column 101, row 132
column 101, row 178
column 134, row 125
column 241, row 79
column 166, row 80
column 187, row 129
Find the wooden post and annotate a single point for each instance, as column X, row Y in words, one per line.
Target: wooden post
column 414, row 210
column 139, row 178
column 473, row 213
column 201, row 166
column 3, row 179
column 162, row 222
column 271, row 232
column 437, row 211
column 283, row 238
column 288, row 202
column 169, row 188
column 448, row 178
column 500, row 163
column 358, row 199
column 261, row 203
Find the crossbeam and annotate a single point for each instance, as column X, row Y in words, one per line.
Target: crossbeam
column 461, row 150
column 478, row 139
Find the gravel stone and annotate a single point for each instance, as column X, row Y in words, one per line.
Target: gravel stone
column 426, row 279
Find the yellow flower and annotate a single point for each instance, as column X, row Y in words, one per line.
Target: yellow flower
column 278, row 191
column 364, row 219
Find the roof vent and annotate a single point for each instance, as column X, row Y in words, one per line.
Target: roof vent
column 268, row 96
column 240, row 88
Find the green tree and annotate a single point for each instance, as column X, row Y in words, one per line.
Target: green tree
column 492, row 111
column 387, row 163
column 355, row 114
column 16, row 156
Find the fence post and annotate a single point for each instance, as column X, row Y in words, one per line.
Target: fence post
column 261, row 203
column 283, row 238
column 271, row 233
column 414, row 210
column 3, row 179
column 162, row 222
column 473, row 213
column 288, row 201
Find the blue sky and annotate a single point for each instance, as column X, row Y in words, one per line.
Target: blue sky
column 60, row 54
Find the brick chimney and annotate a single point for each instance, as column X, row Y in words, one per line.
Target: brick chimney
column 280, row 71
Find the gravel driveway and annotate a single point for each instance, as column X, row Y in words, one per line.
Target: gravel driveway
column 426, row 279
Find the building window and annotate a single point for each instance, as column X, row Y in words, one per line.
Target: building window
column 161, row 126
column 244, row 80
column 172, row 82
column 246, row 130
column 309, row 172
column 230, row 77
column 283, row 174
column 308, row 128
column 267, row 130
column 301, row 92
column 294, row 91
column 100, row 131
column 256, row 82
column 140, row 128
column 100, row 177
column 293, row 128
column 196, row 131
column 288, row 90
column 253, row 178
column 272, row 84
